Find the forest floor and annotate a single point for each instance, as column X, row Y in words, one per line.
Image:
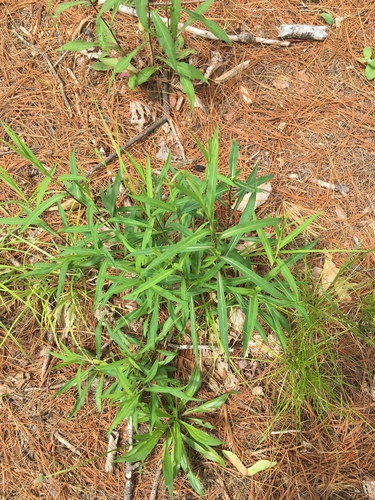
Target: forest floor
column 305, row 114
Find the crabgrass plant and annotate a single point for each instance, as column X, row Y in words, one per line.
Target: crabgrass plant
column 168, row 255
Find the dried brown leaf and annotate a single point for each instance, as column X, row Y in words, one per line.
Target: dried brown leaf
column 261, row 197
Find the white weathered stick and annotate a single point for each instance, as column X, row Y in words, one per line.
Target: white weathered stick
column 302, row 32
column 111, row 455
column 242, row 37
column 232, row 72
column 129, row 467
column 66, row 443
column 344, row 190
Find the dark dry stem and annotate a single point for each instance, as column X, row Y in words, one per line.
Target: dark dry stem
column 128, row 144
column 163, row 119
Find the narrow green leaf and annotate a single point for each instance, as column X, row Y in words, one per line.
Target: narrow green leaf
column 152, row 202
column 154, row 322
column 23, row 150
column 143, row 448
column 193, row 329
column 165, row 39
column 148, row 283
column 175, row 14
column 200, row 436
column 253, row 277
column 201, row 9
column 188, row 89
column 108, row 62
column 177, row 447
column 142, row 77
column 168, row 468
column 174, row 391
column 208, row 406
column 247, row 227
column 173, row 250
column 195, row 483
column 99, row 392
column 125, row 411
column 222, row 315
column 297, row 231
column 205, row 450
column 77, row 46
column 265, row 241
column 33, row 217
column 122, row 65
column 191, row 72
column 141, row 9
column 195, row 382
column 108, row 5
column 233, row 159
column 250, row 321
column 211, row 174
column 8, row 180
column 210, row 25
column 101, row 66
column 82, row 395
column 67, row 5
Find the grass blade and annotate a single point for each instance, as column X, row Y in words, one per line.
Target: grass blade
column 250, row 320
column 222, row 315
column 165, row 39
column 211, row 175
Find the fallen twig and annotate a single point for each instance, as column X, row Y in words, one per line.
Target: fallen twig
column 155, row 484
column 163, row 119
column 129, row 468
column 50, row 66
column 242, row 37
column 127, row 145
column 340, row 188
column 232, row 72
column 66, row 443
column 302, row 32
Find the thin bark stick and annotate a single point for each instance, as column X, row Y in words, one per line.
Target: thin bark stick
column 127, row 145
column 155, row 484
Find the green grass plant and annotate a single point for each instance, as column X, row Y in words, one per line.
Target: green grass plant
column 170, row 255
column 162, row 48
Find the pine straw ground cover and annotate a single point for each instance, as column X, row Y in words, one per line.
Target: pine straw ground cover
column 311, row 116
